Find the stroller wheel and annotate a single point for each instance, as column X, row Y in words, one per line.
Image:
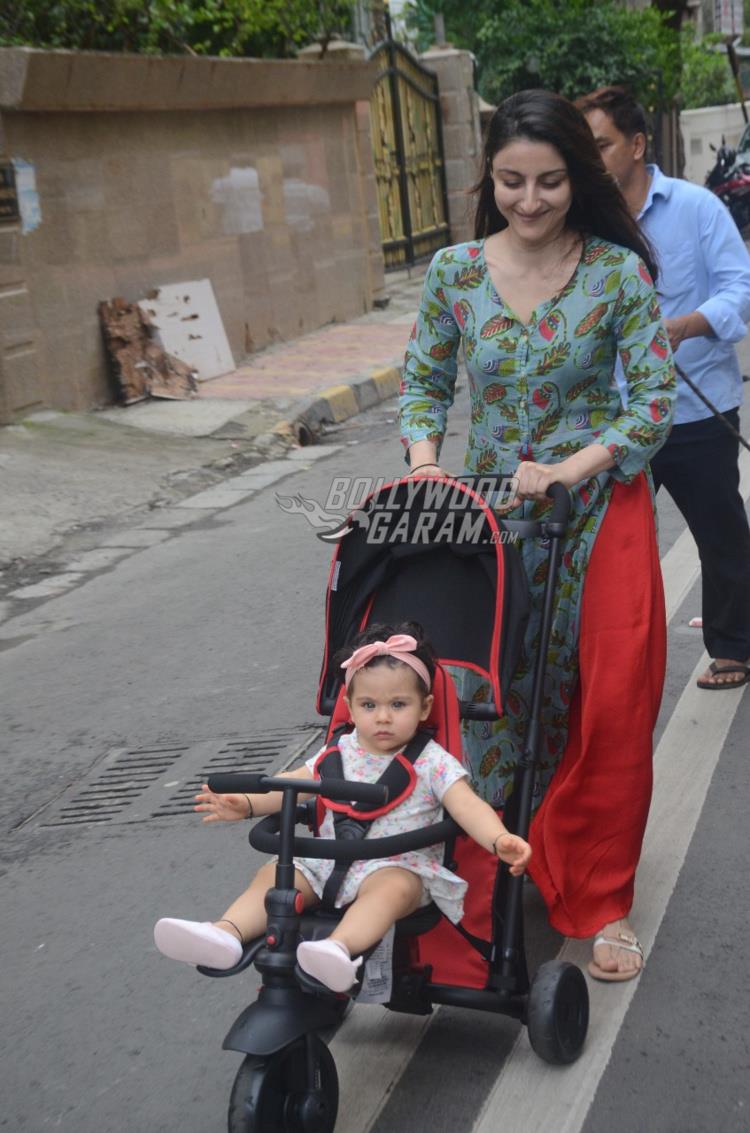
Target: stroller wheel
column 558, row 1012
column 295, row 1090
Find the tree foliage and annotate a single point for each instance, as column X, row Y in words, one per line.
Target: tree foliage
column 463, row 21
column 570, row 47
column 706, row 75
column 273, row 28
column 576, row 47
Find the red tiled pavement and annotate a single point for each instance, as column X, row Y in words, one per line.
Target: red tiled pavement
column 330, row 356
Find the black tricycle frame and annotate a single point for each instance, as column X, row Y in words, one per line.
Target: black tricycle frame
column 291, row 1008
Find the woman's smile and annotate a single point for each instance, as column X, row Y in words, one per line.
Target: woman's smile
column 532, row 188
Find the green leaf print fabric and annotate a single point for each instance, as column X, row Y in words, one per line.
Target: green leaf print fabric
column 541, row 391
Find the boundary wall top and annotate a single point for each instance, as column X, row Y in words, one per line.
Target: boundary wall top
column 35, row 80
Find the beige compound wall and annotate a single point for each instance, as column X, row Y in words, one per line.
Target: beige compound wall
column 462, row 135
column 255, row 175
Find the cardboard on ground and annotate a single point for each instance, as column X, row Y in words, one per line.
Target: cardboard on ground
column 187, row 321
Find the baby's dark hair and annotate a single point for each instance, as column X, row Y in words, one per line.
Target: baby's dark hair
column 379, row 632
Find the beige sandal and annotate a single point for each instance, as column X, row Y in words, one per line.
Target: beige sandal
column 628, row 942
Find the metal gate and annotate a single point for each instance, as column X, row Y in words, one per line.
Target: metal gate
column 408, row 153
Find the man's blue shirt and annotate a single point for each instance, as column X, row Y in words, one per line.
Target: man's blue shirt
column 703, row 266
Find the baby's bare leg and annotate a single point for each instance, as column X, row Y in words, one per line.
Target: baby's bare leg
column 246, row 916
column 384, row 897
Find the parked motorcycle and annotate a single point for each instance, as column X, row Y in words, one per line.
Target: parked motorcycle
column 730, row 180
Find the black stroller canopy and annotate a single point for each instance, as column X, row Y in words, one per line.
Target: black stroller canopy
column 429, row 551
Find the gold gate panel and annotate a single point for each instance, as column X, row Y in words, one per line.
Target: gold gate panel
column 408, row 156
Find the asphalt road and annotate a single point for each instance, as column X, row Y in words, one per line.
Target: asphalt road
column 204, row 651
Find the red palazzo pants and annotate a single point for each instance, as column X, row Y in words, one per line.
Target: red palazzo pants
column 587, row 834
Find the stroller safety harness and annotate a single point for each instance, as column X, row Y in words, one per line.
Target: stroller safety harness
column 353, row 820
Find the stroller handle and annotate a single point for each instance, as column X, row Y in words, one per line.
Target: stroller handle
column 558, row 520
column 557, row 492
column 265, row 836
column 253, row 782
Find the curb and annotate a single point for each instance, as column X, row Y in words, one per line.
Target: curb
column 338, row 403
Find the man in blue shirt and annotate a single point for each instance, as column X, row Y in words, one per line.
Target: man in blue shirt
column 704, row 292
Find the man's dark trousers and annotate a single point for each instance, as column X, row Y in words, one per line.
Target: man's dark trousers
column 698, row 467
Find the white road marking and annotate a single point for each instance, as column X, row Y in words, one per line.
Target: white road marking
column 372, row 1049
column 528, row 1090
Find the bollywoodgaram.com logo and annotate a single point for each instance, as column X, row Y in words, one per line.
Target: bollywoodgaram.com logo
column 413, row 511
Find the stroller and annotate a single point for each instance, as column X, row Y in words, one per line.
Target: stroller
column 431, row 551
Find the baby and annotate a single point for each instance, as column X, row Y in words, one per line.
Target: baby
column 388, row 678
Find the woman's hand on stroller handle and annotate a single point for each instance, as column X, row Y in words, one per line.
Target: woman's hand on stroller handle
column 535, row 481
column 529, row 481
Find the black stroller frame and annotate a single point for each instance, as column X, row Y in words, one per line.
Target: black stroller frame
column 287, row 1082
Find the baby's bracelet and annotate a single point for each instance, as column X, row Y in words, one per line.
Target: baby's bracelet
column 494, row 844
column 427, row 464
column 250, row 809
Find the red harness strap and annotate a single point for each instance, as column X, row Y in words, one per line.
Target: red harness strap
column 353, row 820
column 329, row 764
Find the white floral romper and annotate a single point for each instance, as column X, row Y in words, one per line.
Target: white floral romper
column 436, row 771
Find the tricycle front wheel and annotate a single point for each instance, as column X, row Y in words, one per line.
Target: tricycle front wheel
column 295, row 1090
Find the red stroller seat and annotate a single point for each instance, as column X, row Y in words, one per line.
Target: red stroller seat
column 457, row 955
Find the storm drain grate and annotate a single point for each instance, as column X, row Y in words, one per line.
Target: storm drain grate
column 160, row 782
column 260, row 754
column 125, row 777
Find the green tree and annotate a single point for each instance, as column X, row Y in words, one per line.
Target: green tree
column 273, row 28
column 576, row 47
column 463, row 21
column 706, row 75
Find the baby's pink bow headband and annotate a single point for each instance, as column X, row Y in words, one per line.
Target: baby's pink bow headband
column 400, row 645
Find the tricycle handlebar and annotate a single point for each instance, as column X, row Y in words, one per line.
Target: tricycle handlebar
column 255, row 783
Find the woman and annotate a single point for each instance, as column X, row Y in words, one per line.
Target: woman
column 557, row 282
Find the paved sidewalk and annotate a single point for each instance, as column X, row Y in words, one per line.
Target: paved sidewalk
column 65, row 472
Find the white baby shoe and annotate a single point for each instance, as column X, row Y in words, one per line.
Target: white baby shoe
column 329, row 962
column 197, row 942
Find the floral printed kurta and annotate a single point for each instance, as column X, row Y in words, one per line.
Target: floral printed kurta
column 541, row 391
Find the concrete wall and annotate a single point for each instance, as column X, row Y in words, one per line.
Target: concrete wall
column 462, row 140
column 254, row 174
column 702, row 127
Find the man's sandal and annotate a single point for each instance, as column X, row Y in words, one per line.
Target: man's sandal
column 628, row 942
column 719, row 670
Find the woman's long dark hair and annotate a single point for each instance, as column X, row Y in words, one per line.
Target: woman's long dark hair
column 598, row 207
